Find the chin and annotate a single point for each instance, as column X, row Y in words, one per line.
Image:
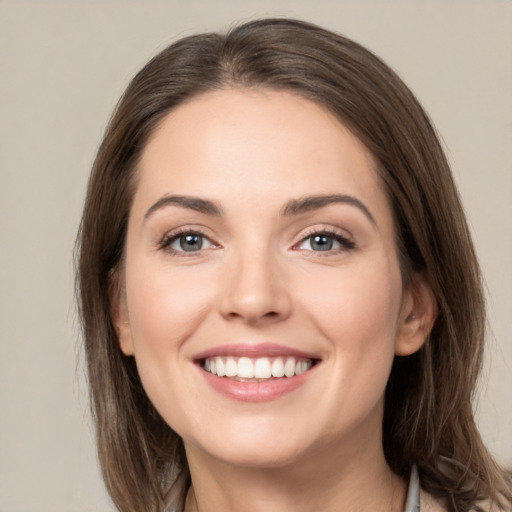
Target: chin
column 259, row 457
column 257, row 444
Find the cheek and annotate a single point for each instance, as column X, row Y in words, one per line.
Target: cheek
column 165, row 305
column 358, row 314
column 363, row 299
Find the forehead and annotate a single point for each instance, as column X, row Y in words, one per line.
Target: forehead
column 247, row 145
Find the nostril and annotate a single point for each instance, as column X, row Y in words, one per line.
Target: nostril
column 270, row 315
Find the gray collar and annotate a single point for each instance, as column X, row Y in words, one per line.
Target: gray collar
column 413, row 494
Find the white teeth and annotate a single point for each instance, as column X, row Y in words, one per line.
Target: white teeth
column 302, row 366
column 278, row 368
column 219, row 363
column 260, row 368
column 231, row 367
column 289, row 367
column 245, row 368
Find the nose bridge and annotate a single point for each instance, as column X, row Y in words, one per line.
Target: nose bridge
column 255, row 287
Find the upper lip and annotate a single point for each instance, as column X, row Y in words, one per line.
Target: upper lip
column 254, row 351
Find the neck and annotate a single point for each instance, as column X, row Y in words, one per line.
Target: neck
column 330, row 479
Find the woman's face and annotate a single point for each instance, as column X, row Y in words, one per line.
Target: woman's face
column 261, row 245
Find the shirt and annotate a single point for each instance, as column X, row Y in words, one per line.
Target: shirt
column 412, row 503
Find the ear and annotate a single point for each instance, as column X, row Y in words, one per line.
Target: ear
column 119, row 314
column 417, row 316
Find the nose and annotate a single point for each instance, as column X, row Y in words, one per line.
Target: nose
column 256, row 289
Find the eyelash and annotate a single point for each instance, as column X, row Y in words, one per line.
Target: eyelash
column 345, row 243
column 169, row 239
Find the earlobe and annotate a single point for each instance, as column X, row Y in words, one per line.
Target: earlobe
column 119, row 315
column 418, row 314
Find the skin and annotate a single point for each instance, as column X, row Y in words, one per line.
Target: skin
column 258, row 279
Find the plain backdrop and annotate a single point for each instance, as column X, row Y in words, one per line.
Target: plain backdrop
column 62, row 67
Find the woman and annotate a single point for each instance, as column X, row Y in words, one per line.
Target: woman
column 281, row 304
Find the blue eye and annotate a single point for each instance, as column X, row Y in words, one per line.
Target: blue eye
column 187, row 242
column 324, row 242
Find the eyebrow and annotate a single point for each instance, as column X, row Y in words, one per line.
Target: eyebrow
column 293, row 207
column 192, row 203
column 309, row 203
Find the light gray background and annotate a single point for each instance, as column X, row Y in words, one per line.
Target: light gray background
column 63, row 66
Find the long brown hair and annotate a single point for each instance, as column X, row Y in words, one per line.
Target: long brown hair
column 428, row 418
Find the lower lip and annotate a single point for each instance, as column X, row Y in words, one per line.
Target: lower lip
column 264, row 391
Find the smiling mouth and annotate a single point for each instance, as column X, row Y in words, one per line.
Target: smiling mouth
column 261, row 369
